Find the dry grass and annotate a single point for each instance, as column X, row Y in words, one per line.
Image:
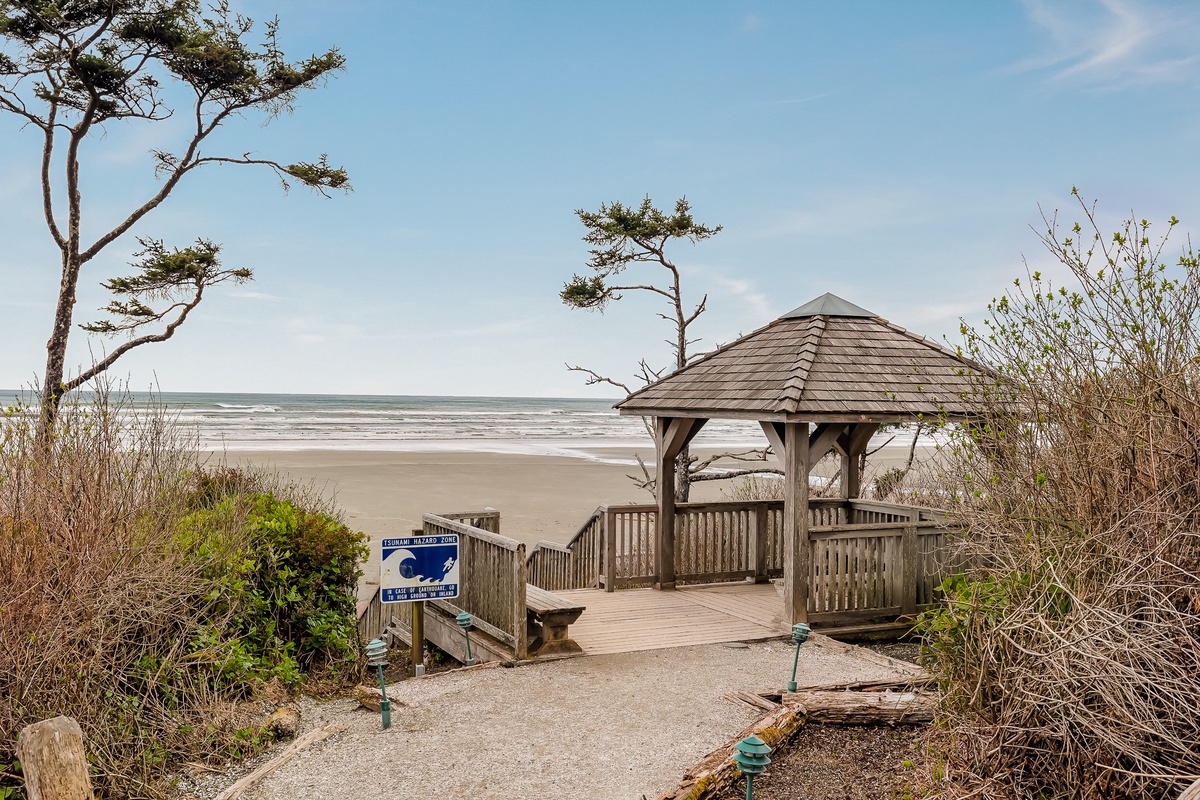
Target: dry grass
column 103, row 616
column 94, row 600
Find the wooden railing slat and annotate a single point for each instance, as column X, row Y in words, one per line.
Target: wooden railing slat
column 865, row 555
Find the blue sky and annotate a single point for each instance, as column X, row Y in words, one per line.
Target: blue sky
column 893, row 153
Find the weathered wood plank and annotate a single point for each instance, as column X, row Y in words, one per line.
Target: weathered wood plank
column 610, row 550
column 520, row 578
column 910, row 569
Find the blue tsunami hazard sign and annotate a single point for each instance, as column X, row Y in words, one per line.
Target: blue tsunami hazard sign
column 419, row 568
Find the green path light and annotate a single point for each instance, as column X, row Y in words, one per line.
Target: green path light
column 377, row 656
column 751, row 759
column 800, row 634
column 464, row 621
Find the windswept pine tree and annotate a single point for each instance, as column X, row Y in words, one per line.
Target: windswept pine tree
column 71, row 69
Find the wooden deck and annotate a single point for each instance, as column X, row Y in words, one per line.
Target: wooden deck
column 644, row 619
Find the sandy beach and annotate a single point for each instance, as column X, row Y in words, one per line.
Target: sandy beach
column 384, row 493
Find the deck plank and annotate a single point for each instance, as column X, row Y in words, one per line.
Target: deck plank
column 631, row 620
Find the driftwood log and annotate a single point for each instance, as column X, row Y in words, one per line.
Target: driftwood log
column 862, row 708
column 312, row 737
column 1192, row 792
column 53, row 760
column 716, row 771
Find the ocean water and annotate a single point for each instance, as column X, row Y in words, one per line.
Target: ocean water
column 575, row 427
column 569, row 426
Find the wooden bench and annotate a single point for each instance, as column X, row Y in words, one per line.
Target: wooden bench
column 546, row 621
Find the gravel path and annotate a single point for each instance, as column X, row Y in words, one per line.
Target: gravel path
column 611, row 727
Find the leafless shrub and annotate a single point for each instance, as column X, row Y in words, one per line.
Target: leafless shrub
column 1070, row 654
column 754, row 488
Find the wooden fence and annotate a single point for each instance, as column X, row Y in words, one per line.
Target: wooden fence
column 574, row 565
column 371, row 617
column 492, row 578
column 714, row 542
column 869, row 559
column 875, row 569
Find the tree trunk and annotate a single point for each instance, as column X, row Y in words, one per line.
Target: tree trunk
column 683, row 477
column 56, row 349
column 912, row 447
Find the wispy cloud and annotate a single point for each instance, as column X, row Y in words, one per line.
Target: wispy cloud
column 843, row 211
column 248, row 294
column 1114, row 44
column 795, row 100
column 320, row 330
column 741, row 291
column 748, row 293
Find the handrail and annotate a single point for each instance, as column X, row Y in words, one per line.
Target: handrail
column 867, row 527
column 483, row 520
column 370, row 615
column 599, row 512
column 555, row 567
column 478, row 533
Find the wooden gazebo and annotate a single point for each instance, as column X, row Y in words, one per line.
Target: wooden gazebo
column 822, row 377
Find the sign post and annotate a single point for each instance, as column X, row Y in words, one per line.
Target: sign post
column 413, row 569
column 418, row 638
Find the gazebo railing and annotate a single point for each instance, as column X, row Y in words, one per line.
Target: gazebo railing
column 869, row 559
column 714, row 542
column 875, row 569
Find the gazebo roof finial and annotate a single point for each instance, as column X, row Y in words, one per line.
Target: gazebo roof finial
column 828, row 305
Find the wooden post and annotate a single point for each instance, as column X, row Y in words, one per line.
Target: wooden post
column 908, row 573
column 53, row 760
column 598, row 544
column 759, row 535
column 855, row 444
column 664, row 545
column 418, row 635
column 797, row 551
column 671, row 435
column 851, row 478
column 520, row 608
column 610, row 550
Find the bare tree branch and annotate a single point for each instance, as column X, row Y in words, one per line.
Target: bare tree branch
column 734, row 473
column 595, row 378
column 107, row 362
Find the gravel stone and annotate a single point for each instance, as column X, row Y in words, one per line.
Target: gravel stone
column 615, row 727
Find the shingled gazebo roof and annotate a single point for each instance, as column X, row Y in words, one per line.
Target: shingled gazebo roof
column 826, row 361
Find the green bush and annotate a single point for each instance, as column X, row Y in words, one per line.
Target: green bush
column 287, row 576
